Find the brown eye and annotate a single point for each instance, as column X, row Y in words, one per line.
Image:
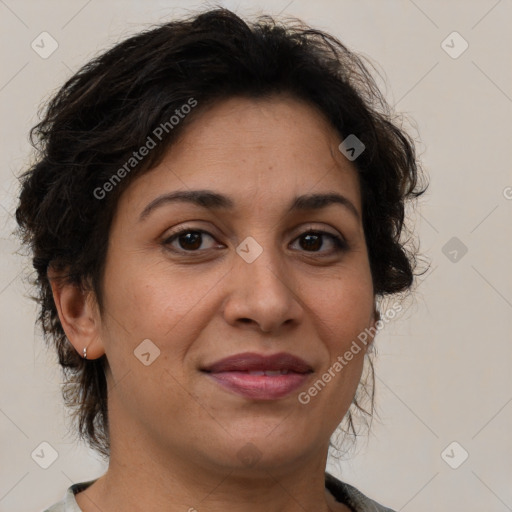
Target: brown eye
column 313, row 241
column 188, row 240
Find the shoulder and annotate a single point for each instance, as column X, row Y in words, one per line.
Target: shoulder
column 352, row 497
column 343, row 493
column 68, row 502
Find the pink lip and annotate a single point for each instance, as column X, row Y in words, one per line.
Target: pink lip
column 260, row 387
column 232, row 373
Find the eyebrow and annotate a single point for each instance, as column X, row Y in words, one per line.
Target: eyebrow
column 215, row 201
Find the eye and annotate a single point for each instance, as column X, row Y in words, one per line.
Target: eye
column 313, row 241
column 188, row 240
column 191, row 240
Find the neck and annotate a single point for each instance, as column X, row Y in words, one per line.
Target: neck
column 177, row 486
column 146, row 475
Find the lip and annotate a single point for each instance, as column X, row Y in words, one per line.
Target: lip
column 233, row 374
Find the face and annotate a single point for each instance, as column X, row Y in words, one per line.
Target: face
column 253, row 272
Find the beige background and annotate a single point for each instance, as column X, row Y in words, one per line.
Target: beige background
column 444, row 366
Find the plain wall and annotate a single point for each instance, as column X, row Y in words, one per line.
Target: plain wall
column 443, row 367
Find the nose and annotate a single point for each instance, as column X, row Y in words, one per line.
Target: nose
column 262, row 295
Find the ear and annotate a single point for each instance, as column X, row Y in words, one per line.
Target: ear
column 78, row 314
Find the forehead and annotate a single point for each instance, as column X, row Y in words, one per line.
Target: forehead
column 268, row 149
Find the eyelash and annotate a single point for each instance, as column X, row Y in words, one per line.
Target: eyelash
column 340, row 245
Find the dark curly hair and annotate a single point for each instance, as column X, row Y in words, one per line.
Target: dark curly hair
column 107, row 110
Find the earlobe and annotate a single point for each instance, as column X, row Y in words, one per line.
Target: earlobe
column 78, row 314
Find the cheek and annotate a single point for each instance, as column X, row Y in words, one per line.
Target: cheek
column 149, row 300
column 344, row 307
column 343, row 311
column 146, row 302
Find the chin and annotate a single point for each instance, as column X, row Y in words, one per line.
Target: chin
column 260, row 449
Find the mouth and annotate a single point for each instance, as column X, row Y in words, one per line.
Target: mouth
column 260, row 377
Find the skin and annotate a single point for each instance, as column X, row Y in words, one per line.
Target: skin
column 175, row 434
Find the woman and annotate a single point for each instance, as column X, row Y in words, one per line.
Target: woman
column 214, row 213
